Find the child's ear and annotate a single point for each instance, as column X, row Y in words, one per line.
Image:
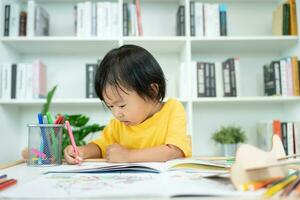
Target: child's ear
column 154, row 88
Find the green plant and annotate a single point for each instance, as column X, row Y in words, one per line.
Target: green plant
column 79, row 123
column 80, row 129
column 46, row 105
column 229, row 135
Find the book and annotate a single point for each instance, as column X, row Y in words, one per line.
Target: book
column 223, row 19
column 150, row 167
column 23, row 24
column 124, row 185
column 90, row 75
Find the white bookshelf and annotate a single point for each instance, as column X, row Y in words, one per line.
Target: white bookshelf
column 249, row 37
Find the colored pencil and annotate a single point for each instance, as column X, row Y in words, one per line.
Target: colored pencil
column 262, row 183
column 7, row 184
column 276, row 188
column 290, row 188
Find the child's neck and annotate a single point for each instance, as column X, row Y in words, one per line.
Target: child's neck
column 156, row 108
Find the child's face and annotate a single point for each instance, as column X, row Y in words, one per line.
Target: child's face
column 128, row 107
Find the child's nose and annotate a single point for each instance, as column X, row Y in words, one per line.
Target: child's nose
column 119, row 114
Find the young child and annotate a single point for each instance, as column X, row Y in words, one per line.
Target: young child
column 132, row 85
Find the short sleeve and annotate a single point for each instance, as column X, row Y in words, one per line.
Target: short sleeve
column 106, row 138
column 177, row 131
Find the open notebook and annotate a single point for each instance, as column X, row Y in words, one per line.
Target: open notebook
column 150, row 167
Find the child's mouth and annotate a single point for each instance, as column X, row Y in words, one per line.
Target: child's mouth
column 126, row 123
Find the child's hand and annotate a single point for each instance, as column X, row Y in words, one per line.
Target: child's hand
column 25, row 155
column 117, row 153
column 70, row 155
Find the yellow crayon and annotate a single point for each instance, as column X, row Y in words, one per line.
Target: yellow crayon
column 276, row 188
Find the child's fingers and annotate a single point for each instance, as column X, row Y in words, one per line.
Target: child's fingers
column 69, row 159
column 70, row 155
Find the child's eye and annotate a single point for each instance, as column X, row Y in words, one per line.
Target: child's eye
column 122, row 106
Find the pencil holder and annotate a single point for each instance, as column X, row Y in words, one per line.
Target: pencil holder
column 44, row 144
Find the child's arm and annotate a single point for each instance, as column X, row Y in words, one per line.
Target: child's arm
column 117, row 153
column 90, row 150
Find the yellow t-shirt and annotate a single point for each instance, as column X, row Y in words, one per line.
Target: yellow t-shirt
column 167, row 126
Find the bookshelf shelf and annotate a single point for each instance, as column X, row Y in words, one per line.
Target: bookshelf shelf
column 243, row 43
column 246, row 100
column 59, row 44
column 56, row 102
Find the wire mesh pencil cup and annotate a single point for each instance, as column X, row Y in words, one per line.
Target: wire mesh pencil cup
column 44, row 144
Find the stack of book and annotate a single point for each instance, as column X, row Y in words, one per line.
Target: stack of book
column 96, row 19
column 132, row 19
column 281, row 77
column 213, row 79
column 23, row 80
column 285, row 19
column 208, row 20
column 288, row 131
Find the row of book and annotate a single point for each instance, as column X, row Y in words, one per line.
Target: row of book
column 281, row 77
column 23, row 80
column 208, row 20
column 132, row 19
column 285, row 19
column 212, row 79
column 96, row 19
column 17, row 22
column 288, row 132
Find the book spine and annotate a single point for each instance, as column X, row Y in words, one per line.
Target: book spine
column 23, row 23
column 226, row 79
column 286, row 19
column 7, row 81
column 207, row 79
column 284, row 137
column 223, row 20
column 139, row 17
column 293, row 17
column 30, row 18
column 295, row 76
column 276, row 65
column 178, row 22
column 283, row 76
column 212, row 80
column 90, row 74
column 125, row 19
column 182, row 21
column 14, row 21
column 290, row 138
column 192, row 18
column 6, row 20
column 13, row 80
column 219, row 80
column 297, row 137
column 199, row 19
column 201, row 79
column 232, row 77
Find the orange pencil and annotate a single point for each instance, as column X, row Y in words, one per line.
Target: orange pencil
column 263, row 183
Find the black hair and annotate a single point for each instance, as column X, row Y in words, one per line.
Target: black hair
column 133, row 68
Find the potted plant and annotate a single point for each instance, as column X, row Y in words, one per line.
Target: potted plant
column 229, row 137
